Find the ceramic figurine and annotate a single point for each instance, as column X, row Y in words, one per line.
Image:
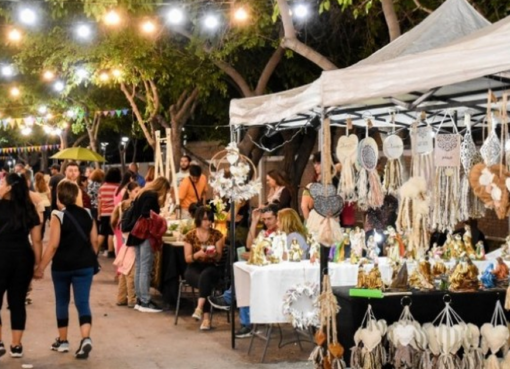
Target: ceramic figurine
column 465, row 277
column 468, row 243
column 372, row 250
column 295, row 251
column 314, row 249
column 480, row 251
column 488, row 278
column 501, row 273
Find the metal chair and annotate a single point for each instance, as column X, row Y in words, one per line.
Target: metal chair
column 182, row 285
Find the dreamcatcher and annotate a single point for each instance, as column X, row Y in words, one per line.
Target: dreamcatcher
column 393, row 148
column 369, row 352
column 495, row 337
column 422, row 164
column 300, row 305
column 413, row 216
column 445, row 336
column 447, row 178
column 407, row 342
column 346, row 153
column 370, row 192
column 329, row 352
column 470, row 206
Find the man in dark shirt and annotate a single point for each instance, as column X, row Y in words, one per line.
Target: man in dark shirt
column 55, row 179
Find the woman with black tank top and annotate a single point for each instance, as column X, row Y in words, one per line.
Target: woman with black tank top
column 18, row 220
column 73, row 248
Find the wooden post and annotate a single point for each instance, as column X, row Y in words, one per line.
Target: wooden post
column 171, row 161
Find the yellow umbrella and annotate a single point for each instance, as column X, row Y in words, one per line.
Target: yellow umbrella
column 78, row 154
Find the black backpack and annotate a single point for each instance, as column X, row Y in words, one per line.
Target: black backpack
column 128, row 219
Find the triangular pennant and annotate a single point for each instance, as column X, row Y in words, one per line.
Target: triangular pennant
column 125, row 111
column 105, row 113
column 112, row 113
column 118, row 112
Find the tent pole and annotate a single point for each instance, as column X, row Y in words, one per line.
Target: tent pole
column 232, row 258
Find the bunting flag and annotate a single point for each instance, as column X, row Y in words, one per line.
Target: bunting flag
column 20, row 149
column 111, row 113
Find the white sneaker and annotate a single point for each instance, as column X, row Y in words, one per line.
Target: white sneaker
column 84, row 349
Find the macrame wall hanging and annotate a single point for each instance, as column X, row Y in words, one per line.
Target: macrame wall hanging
column 422, row 163
column 370, row 192
column 393, row 148
column 413, row 216
column 470, row 205
column 346, row 153
column 328, row 354
column 447, row 179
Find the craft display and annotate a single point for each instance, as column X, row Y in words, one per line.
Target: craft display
column 369, row 279
column 329, row 352
column 464, row 277
column 422, row 277
column 301, row 306
column 495, row 337
column 394, row 245
column 370, row 192
column 447, row 182
column 369, row 351
column 470, row 206
column 413, row 216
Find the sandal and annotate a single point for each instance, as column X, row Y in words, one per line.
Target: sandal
column 206, row 325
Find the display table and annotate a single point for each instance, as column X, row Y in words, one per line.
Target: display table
column 263, row 287
column 173, row 266
column 473, row 307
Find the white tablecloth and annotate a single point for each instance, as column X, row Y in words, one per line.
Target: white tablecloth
column 263, row 287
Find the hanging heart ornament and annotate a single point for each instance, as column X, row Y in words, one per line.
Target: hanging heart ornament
column 346, row 148
column 325, row 200
column 368, row 153
column 393, row 147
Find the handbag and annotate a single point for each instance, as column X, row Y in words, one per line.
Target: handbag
column 97, row 267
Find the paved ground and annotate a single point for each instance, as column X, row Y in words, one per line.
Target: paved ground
column 124, row 338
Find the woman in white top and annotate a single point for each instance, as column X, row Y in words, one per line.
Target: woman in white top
column 43, row 190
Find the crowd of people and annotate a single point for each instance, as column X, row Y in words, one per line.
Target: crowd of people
column 90, row 212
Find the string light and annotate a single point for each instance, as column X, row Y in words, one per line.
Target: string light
column 116, row 73
column 104, row 77
column 42, row 109
column 48, row 75
column 15, row 92
column 70, row 113
column 7, row 71
column 175, row 16
column 25, row 131
column 27, row 16
column 83, row 31
column 14, row 35
column 301, row 11
column 211, row 21
column 59, row 86
column 241, row 14
column 112, row 18
column 82, row 73
column 148, row 27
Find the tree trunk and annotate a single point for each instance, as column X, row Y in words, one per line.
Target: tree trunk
column 391, row 19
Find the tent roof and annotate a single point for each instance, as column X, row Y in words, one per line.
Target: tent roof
column 467, row 67
column 298, row 106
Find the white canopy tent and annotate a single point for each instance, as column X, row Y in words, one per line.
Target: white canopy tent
column 297, row 107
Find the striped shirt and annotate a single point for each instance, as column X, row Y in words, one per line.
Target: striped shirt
column 105, row 197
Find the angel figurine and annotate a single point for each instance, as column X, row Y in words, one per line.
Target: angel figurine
column 488, row 278
column 392, row 245
column 357, row 238
column 314, row 249
column 467, row 239
column 448, row 247
column 295, row 251
column 372, row 250
column 480, row 251
column 501, row 273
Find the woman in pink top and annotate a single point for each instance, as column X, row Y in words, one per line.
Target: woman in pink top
column 127, row 178
column 105, row 206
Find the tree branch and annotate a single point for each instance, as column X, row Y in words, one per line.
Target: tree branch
column 138, row 115
column 421, row 7
column 391, row 19
column 271, row 65
column 290, row 40
column 186, row 106
column 236, row 76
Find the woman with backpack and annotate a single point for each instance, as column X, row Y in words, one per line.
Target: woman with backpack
column 72, row 249
column 150, row 199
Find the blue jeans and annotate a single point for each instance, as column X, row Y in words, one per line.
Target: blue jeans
column 244, row 312
column 144, row 261
column 81, row 281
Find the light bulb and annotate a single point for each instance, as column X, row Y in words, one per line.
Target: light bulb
column 241, row 14
column 82, row 73
column 57, row 131
column 42, row 109
column 211, row 21
column 104, row 77
column 59, row 86
column 27, row 16
column 70, row 113
column 112, row 18
column 14, row 35
column 148, row 27
column 25, row 131
column 175, row 16
column 7, row 70
column 116, row 73
column 48, row 75
column 15, row 92
column 377, row 237
column 47, row 129
column 301, row 11
column 83, row 31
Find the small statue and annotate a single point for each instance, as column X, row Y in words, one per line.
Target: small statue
column 464, row 277
column 468, row 243
column 480, row 251
column 448, row 247
column 357, row 240
column 372, row 250
column 501, row 273
column 439, row 268
column 458, row 246
column 279, row 245
column 258, row 252
column 315, row 248
column 436, row 252
column 295, row 251
column 392, row 245
column 505, row 249
column 337, row 252
column 374, row 279
column 488, row 278
column 421, row 278
column 361, row 278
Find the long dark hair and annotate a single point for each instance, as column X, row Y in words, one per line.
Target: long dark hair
column 130, row 187
column 24, row 216
column 126, row 178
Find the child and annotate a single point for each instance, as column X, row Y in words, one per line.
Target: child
column 125, row 260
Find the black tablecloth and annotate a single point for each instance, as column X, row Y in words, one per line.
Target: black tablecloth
column 473, row 307
column 173, row 267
